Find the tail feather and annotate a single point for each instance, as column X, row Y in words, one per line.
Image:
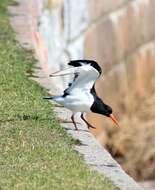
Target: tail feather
column 58, row 99
column 49, row 98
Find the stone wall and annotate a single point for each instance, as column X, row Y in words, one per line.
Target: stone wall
column 121, row 38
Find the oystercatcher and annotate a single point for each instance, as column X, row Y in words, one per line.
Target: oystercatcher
column 80, row 95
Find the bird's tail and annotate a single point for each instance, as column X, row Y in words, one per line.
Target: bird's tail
column 58, row 99
column 49, row 98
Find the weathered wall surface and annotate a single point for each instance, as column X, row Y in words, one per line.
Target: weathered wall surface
column 121, row 38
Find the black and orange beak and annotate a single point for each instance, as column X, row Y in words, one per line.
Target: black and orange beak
column 114, row 120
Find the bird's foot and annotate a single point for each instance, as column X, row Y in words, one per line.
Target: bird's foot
column 90, row 126
column 76, row 128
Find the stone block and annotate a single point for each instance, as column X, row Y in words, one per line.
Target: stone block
column 121, row 29
column 133, row 28
column 151, row 18
column 140, row 68
column 127, row 30
column 98, row 8
column 144, row 23
column 100, row 44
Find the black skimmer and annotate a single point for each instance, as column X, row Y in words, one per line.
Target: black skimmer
column 80, row 95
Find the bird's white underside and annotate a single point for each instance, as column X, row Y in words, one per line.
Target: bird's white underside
column 80, row 102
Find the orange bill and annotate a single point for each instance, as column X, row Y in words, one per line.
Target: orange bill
column 114, row 120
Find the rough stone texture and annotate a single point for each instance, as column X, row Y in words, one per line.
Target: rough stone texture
column 119, row 33
column 98, row 8
column 148, row 185
column 100, row 44
column 120, row 36
column 94, row 154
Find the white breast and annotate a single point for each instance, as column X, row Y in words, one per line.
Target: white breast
column 79, row 101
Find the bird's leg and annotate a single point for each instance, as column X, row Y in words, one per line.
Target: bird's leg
column 72, row 118
column 88, row 124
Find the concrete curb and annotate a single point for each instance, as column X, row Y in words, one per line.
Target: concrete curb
column 94, row 154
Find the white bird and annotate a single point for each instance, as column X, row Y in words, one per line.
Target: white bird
column 80, row 95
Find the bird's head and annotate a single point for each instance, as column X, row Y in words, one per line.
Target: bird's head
column 107, row 111
column 101, row 108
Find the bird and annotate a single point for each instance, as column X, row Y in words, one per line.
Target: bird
column 80, row 94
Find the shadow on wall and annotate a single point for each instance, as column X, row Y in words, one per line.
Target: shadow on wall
column 119, row 35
